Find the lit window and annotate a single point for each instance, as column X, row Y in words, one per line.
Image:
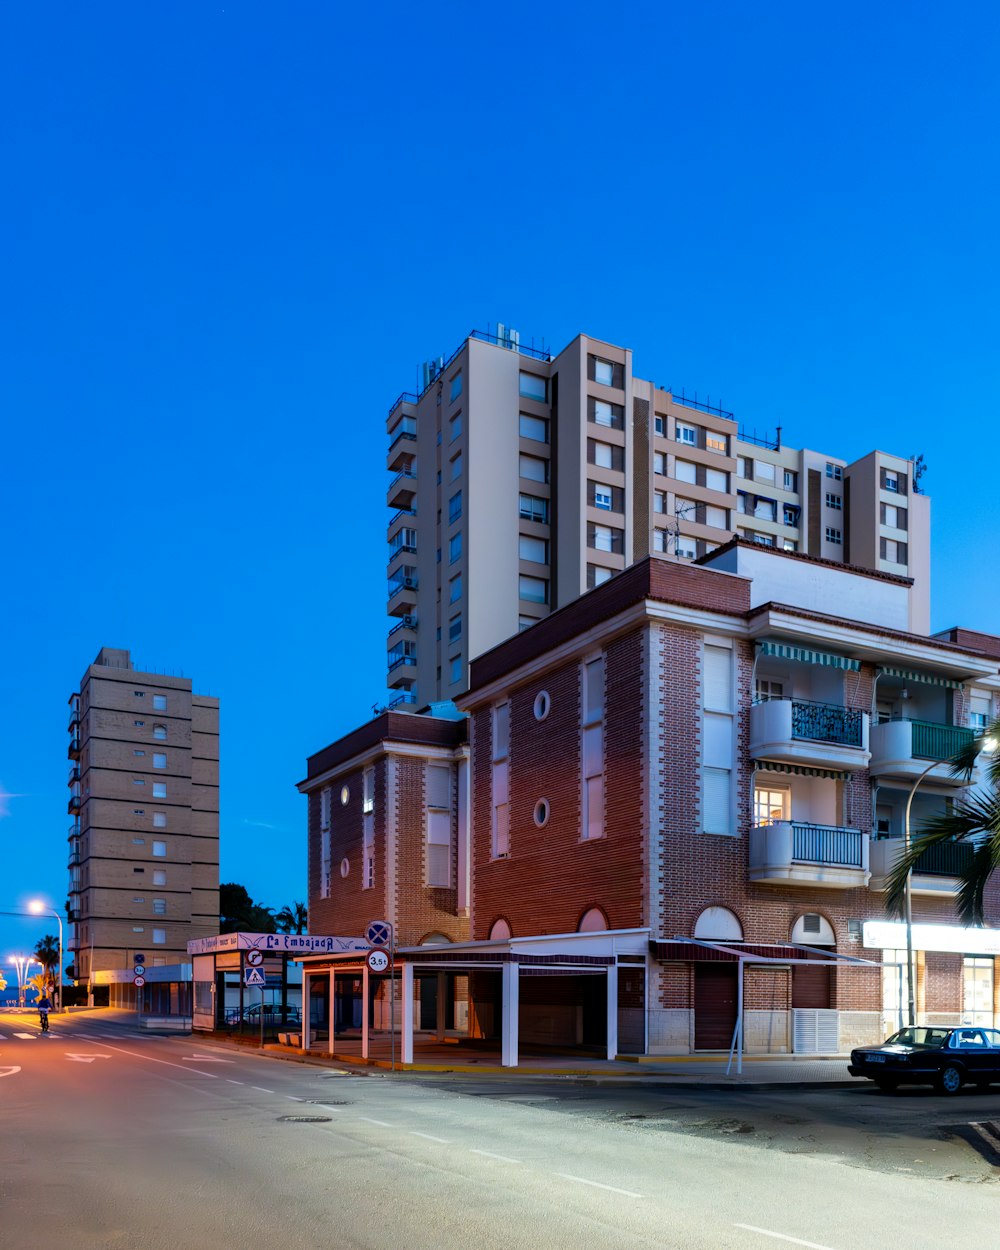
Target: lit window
column 833, row 535
column 159, row 761
column 716, row 442
column 534, row 468
column 536, row 550
column 533, row 387
column 535, row 428
column 533, row 589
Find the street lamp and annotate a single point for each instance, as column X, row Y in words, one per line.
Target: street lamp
column 22, row 963
column 38, row 908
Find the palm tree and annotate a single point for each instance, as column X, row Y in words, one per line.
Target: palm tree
column 294, row 919
column 975, row 820
column 47, row 954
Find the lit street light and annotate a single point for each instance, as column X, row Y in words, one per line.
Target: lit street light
column 38, row 908
column 22, row 963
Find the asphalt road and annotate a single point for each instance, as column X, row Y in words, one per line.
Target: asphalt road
column 115, row 1139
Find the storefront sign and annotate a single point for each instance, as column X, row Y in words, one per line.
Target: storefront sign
column 932, row 937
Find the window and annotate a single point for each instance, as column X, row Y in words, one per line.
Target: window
column 592, row 750
column 659, row 501
column 762, row 540
column 717, row 517
column 526, row 622
column 536, row 550
column 455, row 589
column 138, row 781
column 603, row 454
column 686, row 508
column 890, row 481
column 687, row 434
column 533, row 387
column 660, row 463
column 159, row 876
column 834, row 501
column 770, row 805
column 686, row 547
column 455, row 470
column 791, row 480
column 891, row 551
column 602, row 496
column 455, row 627
column 138, row 723
column 159, row 702
column 159, row 906
column 368, row 827
column 454, row 427
column 138, row 752
column 138, row 841
column 833, row 535
column 533, row 589
column 717, row 479
column 602, row 538
column 455, row 547
column 743, row 502
column 455, row 672
column 790, row 513
column 835, row 471
column 717, row 739
column 159, row 789
column 159, row 820
column 789, row 544
column 603, row 413
column 767, row 689
column 437, row 860
column 456, row 387
column 765, row 509
column 597, row 575
column 159, row 849
column 534, row 509
column 535, row 428
column 660, row 540
column 160, row 732
column 139, row 694
column 159, row 937
column 744, row 467
column 501, row 745
column 455, row 507
column 764, row 471
column 159, row 761
column 685, row 471
column 893, row 517
column 660, row 425
column 604, row 372
column 716, row 442
column 534, row 468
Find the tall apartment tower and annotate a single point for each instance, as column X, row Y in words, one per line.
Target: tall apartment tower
column 144, row 801
column 522, row 479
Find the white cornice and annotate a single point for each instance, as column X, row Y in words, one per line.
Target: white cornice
column 385, row 746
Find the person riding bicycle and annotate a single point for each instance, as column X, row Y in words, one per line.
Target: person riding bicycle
column 44, row 1006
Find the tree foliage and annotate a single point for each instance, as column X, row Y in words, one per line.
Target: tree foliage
column 238, row 913
column 47, row 954
column 293, row 918
column 973, row 819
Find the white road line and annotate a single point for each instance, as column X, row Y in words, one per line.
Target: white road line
column 326, row 1108
column 990, row 1138
column 3, row 1037
column 261, row 1089
column 581, row 1180
column 796, row 1241
column 488, row 1154
column 232, row 1082
column 213, row 1076
column 442, row 1141
column 371, row 1121
column 27, row 1037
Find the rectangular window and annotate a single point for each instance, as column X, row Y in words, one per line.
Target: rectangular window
column 455, row 507
column 835, row 471
column 717, row 739
column 893, row 551
column 687, row 434
column 438, row 844
column 604, row 371
column 597, row 575
column 455, row 471
column 531, row 386
column 604, row 454
column 685, row 471
column 743, row 502
column 834, row 501
column 603, row 413
column 716, row 442
column 717, row 517
column 535, row 428
column 368, row 827
column 660, row 463
column 789, row 544
column 602, row 538
column 159, row 702
column 791, row 480
column 790, row 513
column 455, row 627
column 455, row 547
column 533, row 508
column 159, row 906
column 534, row 468
column 159, row 849
column 535, row 550
column 833, row 535
column 454, row 427
column 765, row 509
column 660, row 540
column 159, row 876
column 138, row 752
column 160, row 732
column 159, row 789
column 533, row 589
column 592, row 749
column 659, row 501
column 159, row 820
column 159, row 937
column 455, row 589
column 717, row 479
column 762, row 540
column 686, row 547
column 602, row 496
column 890, row 481
column 770, row 805
column 660, row 425
column 159, row 761
column 456, row 387
column 744, row 467
column 138, row 781
column 764, row 471
column 500, row 797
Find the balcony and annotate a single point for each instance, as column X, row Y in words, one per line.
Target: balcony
column 74, row 857
column 789, row 852
column 403, row 593
column 904, row 748
column 404, row 515
column 74, row 722
column 408, row 624
column 74, row 829
column 797, row 731
column 402, row 673
column 74, row 804
column 402, row 448
column 402, row 489
column 402, row 700
column 74, row 775
column 937, row 871
column 73, row 750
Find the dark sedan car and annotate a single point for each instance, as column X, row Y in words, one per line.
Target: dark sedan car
column 924, row 1055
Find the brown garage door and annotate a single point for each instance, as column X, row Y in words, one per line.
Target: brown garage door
column 714, row 1006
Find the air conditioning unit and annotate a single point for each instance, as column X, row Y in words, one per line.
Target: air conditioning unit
column 410, row 583
column 410, row 621
column 854, row 931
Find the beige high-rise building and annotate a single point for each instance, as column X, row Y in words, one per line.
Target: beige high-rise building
column 523, row 479
column 144, row 800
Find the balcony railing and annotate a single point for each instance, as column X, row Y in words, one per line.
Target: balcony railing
column 74, row 775
column 939, row 742
column 400, row 660
column 406, row 697
column 406, row 581
column 74, row 747
column 74, row 804
column 405, row 623
column 827, row 844
column 827, row 722
column 946, row 859
column 398, row 516
column 74, row 830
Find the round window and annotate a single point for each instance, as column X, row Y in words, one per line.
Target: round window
column 543, row 704
column 345, row 794
column 345, row 867
column 541, row 812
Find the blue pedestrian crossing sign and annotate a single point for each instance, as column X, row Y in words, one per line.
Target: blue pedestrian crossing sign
column 379, row 933
column 254, row 976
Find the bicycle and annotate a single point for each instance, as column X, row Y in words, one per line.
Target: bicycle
column 44, row 1018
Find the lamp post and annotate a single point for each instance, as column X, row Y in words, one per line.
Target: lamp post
column 38, row 908
column 22, row 963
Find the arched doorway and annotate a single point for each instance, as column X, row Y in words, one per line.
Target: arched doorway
column 815, row 1027
column 715, row 980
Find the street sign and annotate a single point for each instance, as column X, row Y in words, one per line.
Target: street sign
column 139, row 982
column 138, row 959
column 378, row 961
column 379, row 933
column 139, row 969
column 254, row 958
column 254, row 976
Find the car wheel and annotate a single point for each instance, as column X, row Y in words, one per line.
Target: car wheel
column 886, row 1083
column 949, row 1080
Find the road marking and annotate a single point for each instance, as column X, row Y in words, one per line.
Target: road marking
column 326, row 1108
column 212, row 1076
column 371, row 1121
column 796, row 1241
column 206, row 1059
column 27, row 1037
column 232, row 1082
column 442, row 1141
column 581, row 1180
column 8, row 1071
column 490, row 1155
column 990, row 1138
column 84, row 1058
column 262, row 1089
column 3, row 1037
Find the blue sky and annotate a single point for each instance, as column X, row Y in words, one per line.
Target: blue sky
column 231, row 234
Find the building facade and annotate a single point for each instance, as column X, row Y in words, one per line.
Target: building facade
column 523, row 479
column 144, row 806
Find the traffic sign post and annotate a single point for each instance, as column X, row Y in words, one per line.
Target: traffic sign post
column 255, row 958
column 254, row 976
column 379, row 934
column 138, row 980
column 378, row 961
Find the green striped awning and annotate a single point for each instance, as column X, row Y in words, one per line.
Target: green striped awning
column 804, row 655
column 928, row 679
column 799, row 770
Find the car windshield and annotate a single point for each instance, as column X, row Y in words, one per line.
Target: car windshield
column 918, row 1037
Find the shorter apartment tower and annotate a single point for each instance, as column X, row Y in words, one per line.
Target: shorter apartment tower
column 144, row 805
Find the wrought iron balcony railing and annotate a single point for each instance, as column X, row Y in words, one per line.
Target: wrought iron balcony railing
column 827, row 722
